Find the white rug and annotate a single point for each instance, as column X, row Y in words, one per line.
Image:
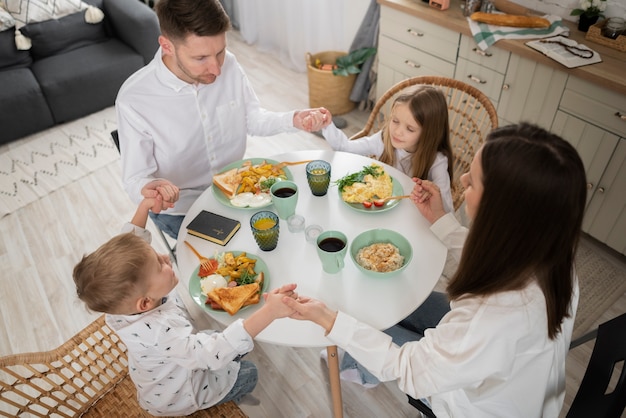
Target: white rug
column 41, row 163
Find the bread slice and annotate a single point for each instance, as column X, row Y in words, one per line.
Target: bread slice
column 228, row 182
column 231, row 299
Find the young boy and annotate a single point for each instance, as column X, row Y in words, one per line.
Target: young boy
column 176, row 370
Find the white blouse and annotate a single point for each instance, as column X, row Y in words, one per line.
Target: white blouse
column 488, row 357
column 373, row 146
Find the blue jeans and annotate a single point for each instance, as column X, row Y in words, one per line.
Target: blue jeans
column 170, row 224
column 411, row 328
column 246, row 382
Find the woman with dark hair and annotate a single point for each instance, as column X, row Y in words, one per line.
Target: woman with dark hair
column 495, row 344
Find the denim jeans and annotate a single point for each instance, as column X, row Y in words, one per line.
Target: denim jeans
column 246, row 382
column 170, row 224
column 411, row 328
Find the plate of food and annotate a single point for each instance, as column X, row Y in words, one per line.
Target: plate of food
column 236, row 281
column 245, row 184
column 370, row 190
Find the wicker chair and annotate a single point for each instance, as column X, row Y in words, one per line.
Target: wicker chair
column 86, row 376
column 471, row 115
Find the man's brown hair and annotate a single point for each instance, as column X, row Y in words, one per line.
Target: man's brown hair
column 180, row 18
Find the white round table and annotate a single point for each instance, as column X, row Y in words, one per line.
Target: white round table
column 378, row 302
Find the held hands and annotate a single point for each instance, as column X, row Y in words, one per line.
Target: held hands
column 274, row 300
column 306, row 308
column 312, row 120
column 167, row 191
column 427, row 198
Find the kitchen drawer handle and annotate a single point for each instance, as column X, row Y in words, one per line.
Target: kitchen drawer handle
column 482, row 53
column 412, row 64
column 414, row 32
column 620, row 115
column 476, row 79
column 475, row 105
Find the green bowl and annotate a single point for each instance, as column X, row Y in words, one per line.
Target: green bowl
column 374, row 236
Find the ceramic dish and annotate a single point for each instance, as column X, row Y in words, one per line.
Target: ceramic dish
column 397, row 191
column 221, row 197
column 200, row 298
column 374, row 236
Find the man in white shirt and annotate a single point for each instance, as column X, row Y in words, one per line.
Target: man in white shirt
column 187, row 114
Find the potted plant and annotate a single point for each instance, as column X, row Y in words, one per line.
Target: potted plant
column 589, row 13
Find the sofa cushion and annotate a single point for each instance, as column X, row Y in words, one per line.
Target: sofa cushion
column 98, row 71
column 27, row 11
column 10, row 56
column 23, row 108
column 62, row 35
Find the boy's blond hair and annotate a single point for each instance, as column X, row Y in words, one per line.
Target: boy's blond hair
column 113, row 274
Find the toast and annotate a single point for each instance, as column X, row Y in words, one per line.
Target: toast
column 228, row 182
column 516, row 21
column 231, row 299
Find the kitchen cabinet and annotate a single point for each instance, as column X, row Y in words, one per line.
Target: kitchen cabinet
column 591, row 119
column 411, row 47
column 531, row 92
column 586, row 105
column 484, row 70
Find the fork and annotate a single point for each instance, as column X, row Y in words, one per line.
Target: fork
column 204, row 262
column 285, row 163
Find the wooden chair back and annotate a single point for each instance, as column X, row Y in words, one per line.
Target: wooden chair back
column 471, row 116
column 86, row 376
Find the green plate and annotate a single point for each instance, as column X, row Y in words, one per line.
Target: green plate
column 396, row 191
column 221, row 197
column 199, row 298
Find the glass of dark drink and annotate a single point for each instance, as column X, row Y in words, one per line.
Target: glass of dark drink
column 332, row 247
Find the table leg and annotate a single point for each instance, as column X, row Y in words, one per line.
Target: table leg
column 335, row 383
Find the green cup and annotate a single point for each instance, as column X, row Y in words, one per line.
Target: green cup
column 284, row 197
column 318, row 176
column 332, row 247
column 265, row 229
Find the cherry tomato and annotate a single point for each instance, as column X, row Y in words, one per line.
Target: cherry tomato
column 379, row 202
column 367, row 204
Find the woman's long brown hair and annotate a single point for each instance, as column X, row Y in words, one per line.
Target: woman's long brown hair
column 528, row 221
column 429, row 108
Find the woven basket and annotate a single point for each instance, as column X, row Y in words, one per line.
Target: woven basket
column 594, row 34
column 326, row 89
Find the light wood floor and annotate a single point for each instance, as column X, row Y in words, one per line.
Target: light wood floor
column 42, row 242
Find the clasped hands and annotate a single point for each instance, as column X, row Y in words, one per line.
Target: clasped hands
column 164, row 191
column 312, row 120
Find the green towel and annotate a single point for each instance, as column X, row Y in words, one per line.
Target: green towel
column 486, row 35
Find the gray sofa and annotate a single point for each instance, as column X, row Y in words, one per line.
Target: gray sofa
column 73, row 68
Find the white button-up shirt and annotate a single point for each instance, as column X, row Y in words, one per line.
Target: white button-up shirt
column 488, row 357
column 177, row 370
column 186, row 133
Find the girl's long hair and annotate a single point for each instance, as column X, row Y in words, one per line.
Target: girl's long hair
column 528, row 221
column 429, row 108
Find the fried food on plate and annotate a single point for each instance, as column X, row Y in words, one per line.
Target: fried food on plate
column 231, row 299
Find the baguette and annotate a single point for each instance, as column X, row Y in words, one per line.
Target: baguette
column 516, row 21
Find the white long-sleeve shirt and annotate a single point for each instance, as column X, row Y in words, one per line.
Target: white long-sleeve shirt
column 176, row 370
column 488, row 357
column 373, row 146
column 186, row 133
